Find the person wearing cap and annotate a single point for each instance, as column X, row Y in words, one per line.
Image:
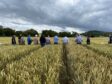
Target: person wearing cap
column 35, row 40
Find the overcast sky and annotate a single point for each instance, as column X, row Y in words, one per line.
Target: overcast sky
column 59, row 15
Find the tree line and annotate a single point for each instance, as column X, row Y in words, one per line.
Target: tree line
column 9, row 32
column 32, row 32
column 95, row 33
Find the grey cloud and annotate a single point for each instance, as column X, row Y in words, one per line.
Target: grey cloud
column 85, row 15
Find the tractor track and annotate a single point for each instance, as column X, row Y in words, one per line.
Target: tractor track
column 65, row 76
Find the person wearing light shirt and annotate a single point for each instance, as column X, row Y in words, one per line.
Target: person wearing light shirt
column 35, row 40
column 48, row 40
column 56, row 39
column 65, row 40
column 79, row 39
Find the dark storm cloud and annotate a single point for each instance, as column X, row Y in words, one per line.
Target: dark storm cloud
column 82, row 14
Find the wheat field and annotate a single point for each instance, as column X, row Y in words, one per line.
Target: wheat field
column 56, row 64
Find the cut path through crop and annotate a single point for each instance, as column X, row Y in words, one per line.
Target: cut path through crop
column 65, row 76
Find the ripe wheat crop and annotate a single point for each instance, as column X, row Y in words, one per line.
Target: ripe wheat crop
column 88, row 67
column 56, row 64
column 42, row 66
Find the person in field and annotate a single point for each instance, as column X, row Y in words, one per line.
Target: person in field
column 35, row 40
column 65, row 40
column 88, row 40
column 29, row 40
column 22, row 41
column 48, row 40
column 79, row 39
column 13, row 40
column 19, row 39
column 56, row 39
column 42, row 40
column 110, row 39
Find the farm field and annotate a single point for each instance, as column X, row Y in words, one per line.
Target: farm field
column 56, row 64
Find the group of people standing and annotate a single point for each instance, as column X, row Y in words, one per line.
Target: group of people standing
column 79, row 39
column 43, row 40
column 21, row 40
column 46, row 40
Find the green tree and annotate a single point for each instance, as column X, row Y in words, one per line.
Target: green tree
column 31, row 32
column 62, row 34
column 49, row 32
column 19, row 33
column 9, row 32
column 1, row 31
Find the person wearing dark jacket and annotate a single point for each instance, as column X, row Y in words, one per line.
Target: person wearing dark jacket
column 88, row 40
column 19, row 39
column 42, row 40
column 110, row 39
column 13, row 40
